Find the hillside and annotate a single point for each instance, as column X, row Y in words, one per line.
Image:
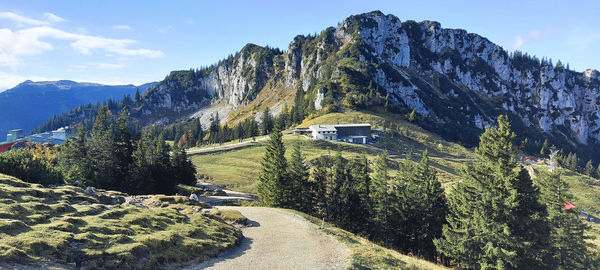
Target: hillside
column 238, row 169
column 29, row 104
column 71, row 227
column 457, row 81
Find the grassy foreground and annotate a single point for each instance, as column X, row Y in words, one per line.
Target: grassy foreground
column 368, row 255
column 65, row 226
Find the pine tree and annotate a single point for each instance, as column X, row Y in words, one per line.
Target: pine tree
column 73, row 160
column 183, row 170
column 598, row 171
column 574, row 165
column 298, row 174
column 336, row 197
column 137, row 95
column 422, row 207
column 488, row 225
column 267, row 122
column 318, row 187
column 101, row 152
column 382, row 199
column 273, row 187
column 123, row 150
column 142, row 181
column 589, row 168
column 161, row 168
column 360, row 207
column 569, row 249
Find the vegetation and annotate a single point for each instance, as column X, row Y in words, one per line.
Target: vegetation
column 111, row 159
column 22, row 163
column 64, row 225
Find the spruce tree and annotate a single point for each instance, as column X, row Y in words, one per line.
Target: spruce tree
column 381, row 196
column 267, row 122
column 598, row 171
column 422, row 208
column 336, row 195
column 544, row 149
column 360, row 202
column 274, row 188
column 73, row 160
column 123, row 150
column 183, row 170
column 318, row 187
column 487, row 228
column 142, row 181
column 298, row 174
column 161, row 167
column 413, row 115
column 569, row 249
column 589, row 168
column 101, row 152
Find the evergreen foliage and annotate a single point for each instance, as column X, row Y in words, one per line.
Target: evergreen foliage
column 21, row 163
column 273, row 188
column 495, row 219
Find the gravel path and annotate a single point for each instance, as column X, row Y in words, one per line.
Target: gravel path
column 277, row 239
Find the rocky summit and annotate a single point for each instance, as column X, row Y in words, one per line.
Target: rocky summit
column 459, row 82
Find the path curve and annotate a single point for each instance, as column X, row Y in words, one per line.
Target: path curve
column 277, row 239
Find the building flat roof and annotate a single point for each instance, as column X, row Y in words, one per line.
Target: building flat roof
column 334, row 126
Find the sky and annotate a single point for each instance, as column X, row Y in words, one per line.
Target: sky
column 134, row 42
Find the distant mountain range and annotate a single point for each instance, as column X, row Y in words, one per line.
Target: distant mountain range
column 29, row 104
column 457, row 82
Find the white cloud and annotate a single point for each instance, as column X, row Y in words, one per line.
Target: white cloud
column 9, row 80
column 53, row 18
column 122, row 27
column 21, row 20
column 32, row 41
column 534, row 34
column 108, row 66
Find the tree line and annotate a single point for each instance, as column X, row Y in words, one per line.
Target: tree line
column 111, row 158
column 496, row 217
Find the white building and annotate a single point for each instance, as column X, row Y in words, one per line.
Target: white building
column 352, row 133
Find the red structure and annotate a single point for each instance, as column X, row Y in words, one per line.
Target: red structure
column 10, row 145
column 568, row 206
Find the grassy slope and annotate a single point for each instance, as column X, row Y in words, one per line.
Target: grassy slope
column 368, row 255
column 238, row 170
column 63, row 225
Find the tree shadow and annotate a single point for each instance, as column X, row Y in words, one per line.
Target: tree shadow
column 235, row 252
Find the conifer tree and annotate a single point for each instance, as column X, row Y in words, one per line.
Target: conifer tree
column 487, row 228
column 422, row 208
column 413, row 115
column 589, row 168
column 318, row 187
column 182, row 168
column 101, row 152
column 298, row 174
column 336, row 195
column 598, row 171
column 123, row 149
column 267, row 122
column 142, row 180
column 161, row 167
column 360, row 207
column 382, row 199
column 574, row 164
column 569, row 249
column 273, row 187
column 137, row 95
column 73, row 160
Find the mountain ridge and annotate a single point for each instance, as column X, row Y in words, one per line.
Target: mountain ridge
column 457, row 81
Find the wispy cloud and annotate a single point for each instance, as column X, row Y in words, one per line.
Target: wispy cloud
column 53, row 18
column 123, row 27
column 109, row 66
column 37, row 39
column 532, row 35
column 21, row 20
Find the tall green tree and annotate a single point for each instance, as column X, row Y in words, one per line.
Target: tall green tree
column 422, row 209
column 274, row 188
column 487, row 229
column 544, row 149
column 123, row 147
column 382, row 196
column 267, row 122
column 101, row 152
column 569, row 249
column 298, row 174
column 182, row 168
column 318, row 187
column 73, row 160
column 589, row 168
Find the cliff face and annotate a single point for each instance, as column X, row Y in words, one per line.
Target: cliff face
column 451, row 77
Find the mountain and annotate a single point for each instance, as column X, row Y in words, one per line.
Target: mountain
column 31, row 103
column 457, row 82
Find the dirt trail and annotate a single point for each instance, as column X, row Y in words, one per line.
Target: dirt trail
column 277, row 239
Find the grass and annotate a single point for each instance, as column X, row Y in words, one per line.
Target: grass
column 230, row 216
column 63, row 225
column 368, row 255
column 239, row 169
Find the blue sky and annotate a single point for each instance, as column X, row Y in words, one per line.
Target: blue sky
column 140, row 41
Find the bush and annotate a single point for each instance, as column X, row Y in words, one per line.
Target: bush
column 20, row 163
